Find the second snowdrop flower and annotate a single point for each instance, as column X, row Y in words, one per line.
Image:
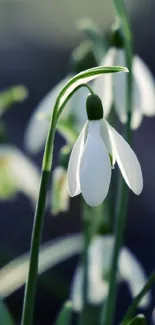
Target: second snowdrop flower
column 113, row 88
column 94, row 154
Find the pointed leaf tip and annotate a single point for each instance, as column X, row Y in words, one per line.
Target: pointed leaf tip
column 64, row 317
column 138, row 320
column 84, row 77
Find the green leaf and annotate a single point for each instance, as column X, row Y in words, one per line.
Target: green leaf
column 14, row 274
column 65, row 315
column 5, row 316
column 84, row 77
column 138, row 320
column 131, row 310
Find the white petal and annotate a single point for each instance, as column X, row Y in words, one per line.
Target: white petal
column 136, row 118
column 22, row 171
column 14, row 274
column 37, row 128
column 120, row 90
column 74, row 163
column 103, row 86
column 132, row 272
column 26, row 174
column 95, row 167
column 76, row 289
column 107, row 140
column 127, row 161
column 146, row 85
column 100, row 254
column 99, row 261
column 97, row 288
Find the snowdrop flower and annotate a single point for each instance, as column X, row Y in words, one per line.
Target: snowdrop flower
column 99, row 262
column 38, row 127
column 113, row 87
column 89, row 168
column 17, row 174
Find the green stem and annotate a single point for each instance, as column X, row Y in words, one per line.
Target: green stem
column 72, row 93
column 29, row 296
column 107, row 312
column 35, row 242
column 30, row 290
column 87, row 214
column 136, row 301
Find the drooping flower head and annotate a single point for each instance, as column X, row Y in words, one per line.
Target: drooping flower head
column 94, row 154
column 113, row 88
column 130, row 271
column 17, row 174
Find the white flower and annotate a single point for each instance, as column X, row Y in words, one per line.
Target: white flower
column 112, row 87
column 89, row 168
column 99, row 262
column 17, row 174
column 37, row 128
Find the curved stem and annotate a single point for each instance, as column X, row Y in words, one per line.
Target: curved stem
column 72, row 93
column 30, row 290
column 29, row 296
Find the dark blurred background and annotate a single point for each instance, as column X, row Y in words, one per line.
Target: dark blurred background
column 36, row 38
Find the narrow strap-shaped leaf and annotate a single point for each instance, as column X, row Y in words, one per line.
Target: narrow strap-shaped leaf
column 138, row 320
column 5, row 316
column 84, row 77
column 130, row 312
column 65, row 315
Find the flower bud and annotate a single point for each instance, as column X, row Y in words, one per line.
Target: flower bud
column 116, row 37
column 94, row 107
